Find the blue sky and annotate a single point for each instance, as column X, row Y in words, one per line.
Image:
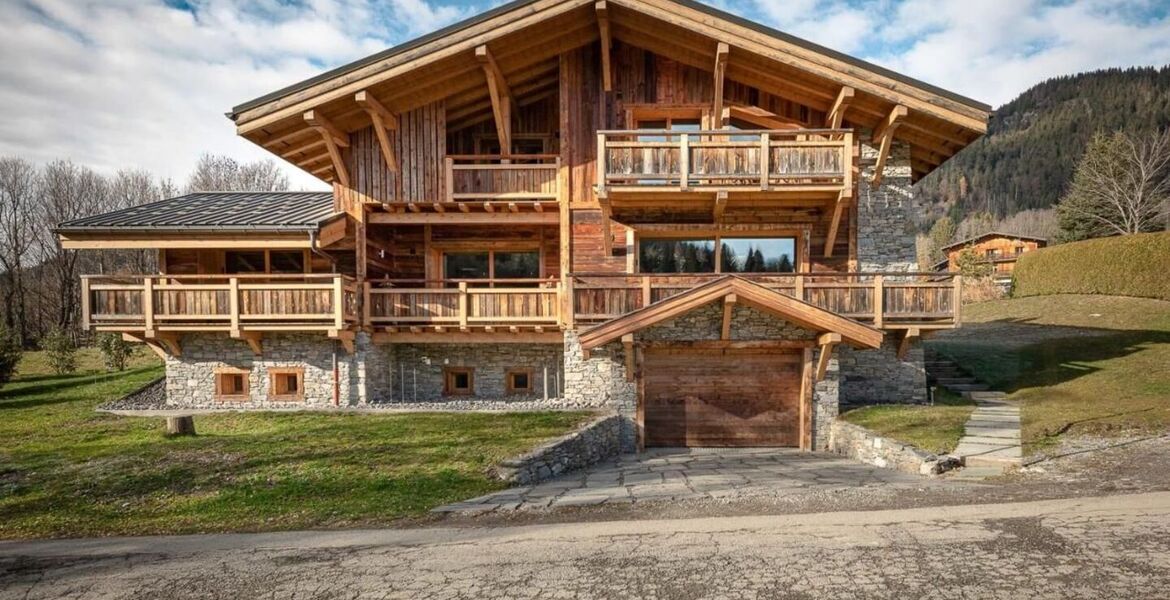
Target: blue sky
column 145, row 83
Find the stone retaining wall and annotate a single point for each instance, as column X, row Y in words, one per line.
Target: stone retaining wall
column 870, row 448
column 598, row 441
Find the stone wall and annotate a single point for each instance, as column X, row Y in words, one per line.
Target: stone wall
column 880, row 377
column 886, row 215
column 596, row 442
column 601, row 381
column 415, row 372
column 866, row 446
column 191, row 377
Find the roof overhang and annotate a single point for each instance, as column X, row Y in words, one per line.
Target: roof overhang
column 993, row 234
column 527, row 36
column 752, row 294
column 183, row 239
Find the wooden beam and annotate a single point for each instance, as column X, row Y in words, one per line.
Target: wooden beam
column 334, row 139
column 728, row 310
column 720, row 206
column 908, row 337
column 602, row 11
column 836, row 114
column 253, row 338
column 722, row 51
column 883, row 135
column 382, row 120
column 827, row 342
column 606, row 226
column 628, row 350
column 835, row 225
column 501, row 96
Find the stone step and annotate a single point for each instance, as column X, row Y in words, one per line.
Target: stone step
column 967, row 387
column 989, row 452
column 1003, row 433
column 989, row 441
column 978, row 473
column 998, row 462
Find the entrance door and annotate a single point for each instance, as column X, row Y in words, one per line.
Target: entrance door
column 721, row 398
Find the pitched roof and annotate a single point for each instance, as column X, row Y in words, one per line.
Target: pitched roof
column 747, row 292
column 990, row 234
column 216, row 211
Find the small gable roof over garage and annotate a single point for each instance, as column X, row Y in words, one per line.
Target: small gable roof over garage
column 752, row 294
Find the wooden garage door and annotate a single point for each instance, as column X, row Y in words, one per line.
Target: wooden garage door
column 721, row 398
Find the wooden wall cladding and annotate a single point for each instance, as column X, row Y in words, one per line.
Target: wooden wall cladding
column 538, row 120
column 421, row 143
column 587, row 247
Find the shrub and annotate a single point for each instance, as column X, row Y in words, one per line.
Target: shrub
column 10, row 352
column 115, row 351
column 1130, row 265
column 61, row 351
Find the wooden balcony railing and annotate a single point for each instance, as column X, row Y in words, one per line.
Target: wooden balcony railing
column 528, row 177
column 901, row 299
column 800, row 160
column 464, row 304
column 218, row 302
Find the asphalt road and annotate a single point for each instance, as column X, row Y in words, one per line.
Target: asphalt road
column 1101, row 547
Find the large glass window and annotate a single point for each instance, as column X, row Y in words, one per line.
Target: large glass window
column 758, row 255
column 466, row 265
column 491, row 265
column 244, row 262
column 516, row 265
column 287, row 262
column 677, row 256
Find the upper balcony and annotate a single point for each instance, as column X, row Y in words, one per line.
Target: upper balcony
column 764, row 163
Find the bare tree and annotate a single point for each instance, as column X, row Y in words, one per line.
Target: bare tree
column 129, row 188
column 1121, row 187
column 68, row 192
column 224, row 174
column 18, row 231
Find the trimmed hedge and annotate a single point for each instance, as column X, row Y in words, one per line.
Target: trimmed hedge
column 1132, row 265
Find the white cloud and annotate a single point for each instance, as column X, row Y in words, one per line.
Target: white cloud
column 126, row 83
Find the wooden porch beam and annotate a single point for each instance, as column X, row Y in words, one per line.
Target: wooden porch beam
column 720, row 207
column 382, row 120
column 827, row 342
column 501, row 96
column 722, row 51
column 606, row 226
column 628, row 350
column 908, row 338
column 334, row 139
column 836, row 114
column 729, row 302
column 606, row 44
column 883, row 135
column 835, row 225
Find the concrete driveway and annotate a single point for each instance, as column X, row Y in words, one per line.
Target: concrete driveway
column 682, row 475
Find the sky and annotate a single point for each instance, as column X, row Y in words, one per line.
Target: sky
column 145, row 83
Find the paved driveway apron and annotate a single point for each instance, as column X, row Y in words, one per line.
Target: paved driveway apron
column 692, row 474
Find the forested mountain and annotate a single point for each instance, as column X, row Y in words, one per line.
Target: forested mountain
column 1027, row 158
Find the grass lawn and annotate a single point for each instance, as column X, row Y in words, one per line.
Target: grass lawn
column 1095, row 365
column 68, row 471
column 932, row 428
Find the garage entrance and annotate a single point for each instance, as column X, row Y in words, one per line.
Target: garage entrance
column 722, row 397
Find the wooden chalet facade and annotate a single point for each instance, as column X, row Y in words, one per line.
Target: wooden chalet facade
column 713, row 196
column 998, row 250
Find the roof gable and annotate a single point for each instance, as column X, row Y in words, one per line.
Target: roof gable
column 527, row 36
column 993, row 234
column 752, row 294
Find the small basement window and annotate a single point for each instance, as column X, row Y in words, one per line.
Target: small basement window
column 287, row 384
column 518, row 381
column 231, row 384
column 458, row 381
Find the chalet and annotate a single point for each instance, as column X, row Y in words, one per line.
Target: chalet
column 646, row 206
column 998, row 250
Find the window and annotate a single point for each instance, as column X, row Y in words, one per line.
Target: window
column 244, row 261
column 491, row 264
column 518, row 381
column 458, row 381
column 286, row 384
column 992, row 253
column 677, row 256
column 758, row 255
column 287, row 262
column 231, row 384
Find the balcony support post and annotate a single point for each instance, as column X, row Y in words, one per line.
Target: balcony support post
column 86, row 310
column 827, row 342
column 148, row 305
column 463, row 306
column 234, row 305
column 799, row 288
column 602, row 165
column 765, row 161
column 647, row 292
column 684, row 161
column 908, row 337
column 957, row 309
column 338, row 303
column 879, row 302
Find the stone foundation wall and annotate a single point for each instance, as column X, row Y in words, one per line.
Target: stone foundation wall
column 191, row 377
column 415, row 371
column 866, row 446
column 880, row 377
column 598, row 441
column 886, row 215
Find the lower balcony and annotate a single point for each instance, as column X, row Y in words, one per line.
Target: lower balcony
column 162, row 307
column 884, row 300
column 407, row 309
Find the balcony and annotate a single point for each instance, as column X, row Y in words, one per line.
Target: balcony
column 148, row 304
column 810, row 162
column 903, row 300
column 506, row 305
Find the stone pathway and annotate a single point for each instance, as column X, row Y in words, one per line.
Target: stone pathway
column 991, row 441
column 691, row 474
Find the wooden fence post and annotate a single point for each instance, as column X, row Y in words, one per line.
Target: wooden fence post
column 85, row 307
column 765, row 161
column 684, row 161
column 234, row 304
column 879, row 303
column 148, row 305
column 958, row 300
column 462, row 305
column 338, row 302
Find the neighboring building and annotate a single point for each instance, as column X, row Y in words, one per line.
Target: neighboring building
column 999, row 250
column 649, row 206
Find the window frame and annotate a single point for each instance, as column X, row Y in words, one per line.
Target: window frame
column 274, row 390
column 440, row 252
column 449, row 388
column 509, row 386
column 799, row 237
column 241, row 395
